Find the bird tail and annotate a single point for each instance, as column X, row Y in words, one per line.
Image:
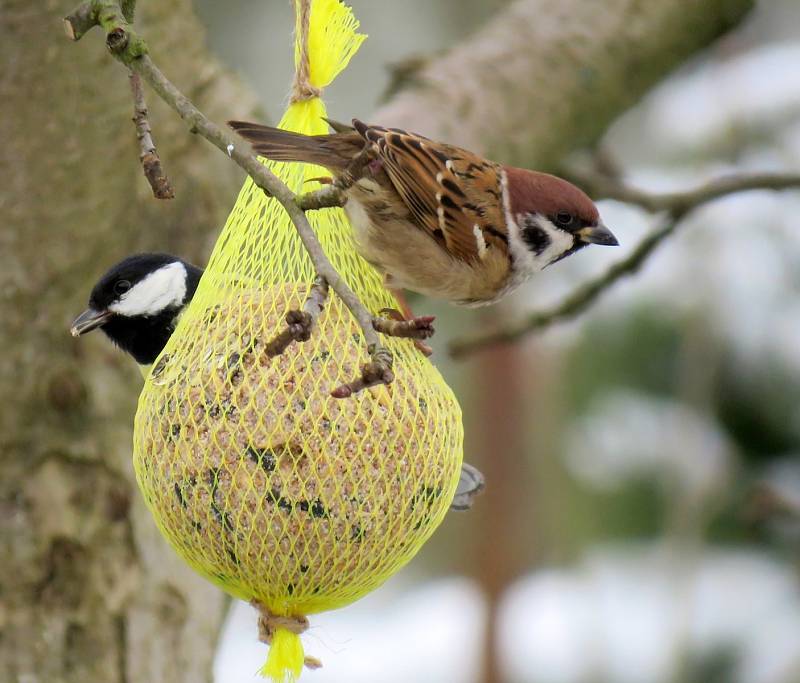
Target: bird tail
column 333, row 151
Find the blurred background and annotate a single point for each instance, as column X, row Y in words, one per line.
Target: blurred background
column 642, row 516
column 641, row 522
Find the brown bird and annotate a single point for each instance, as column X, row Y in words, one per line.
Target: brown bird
column 440, row 220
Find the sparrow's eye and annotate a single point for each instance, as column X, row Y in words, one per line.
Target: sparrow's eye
column 564, row 219
column 121, row 286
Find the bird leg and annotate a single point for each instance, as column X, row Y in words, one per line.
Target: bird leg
column 396, row 324
column 334, row 192
column 357, row 168
column 404, row 323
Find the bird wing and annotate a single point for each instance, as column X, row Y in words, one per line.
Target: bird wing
column 453, row 195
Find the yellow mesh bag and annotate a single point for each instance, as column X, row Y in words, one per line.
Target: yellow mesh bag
column 260, row 480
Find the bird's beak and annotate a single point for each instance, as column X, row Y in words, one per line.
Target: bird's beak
column 598, row 234
column 88, row 320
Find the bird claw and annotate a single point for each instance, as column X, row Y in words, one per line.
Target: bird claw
column 470, row 484
column 395, row 324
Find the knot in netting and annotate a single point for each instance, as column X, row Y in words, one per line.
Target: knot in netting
column 268, row 623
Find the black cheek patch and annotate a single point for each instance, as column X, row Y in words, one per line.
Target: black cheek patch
column 536, row 239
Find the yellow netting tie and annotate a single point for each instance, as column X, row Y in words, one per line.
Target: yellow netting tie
column 332, row 33
column 286, row 650
column 302, row 88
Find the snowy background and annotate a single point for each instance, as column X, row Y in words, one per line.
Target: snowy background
column 658, row 538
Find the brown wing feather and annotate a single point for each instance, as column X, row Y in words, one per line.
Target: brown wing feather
column 449, row 191
column 333, row 151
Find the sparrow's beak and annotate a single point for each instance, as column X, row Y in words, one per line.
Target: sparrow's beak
column 598, row 234
column 88, row 320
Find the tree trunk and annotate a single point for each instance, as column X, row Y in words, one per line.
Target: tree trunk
column 89, row 591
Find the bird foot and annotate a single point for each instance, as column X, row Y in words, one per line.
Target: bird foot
column 470, row 484
column 395, row 324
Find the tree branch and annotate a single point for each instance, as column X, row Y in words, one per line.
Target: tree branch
column 326, row 198
column 675, row 204
column 151, row 163
column 299, row 324
column 604, row 187
column 131, row 50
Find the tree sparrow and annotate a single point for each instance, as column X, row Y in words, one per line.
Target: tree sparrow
column 440, row 220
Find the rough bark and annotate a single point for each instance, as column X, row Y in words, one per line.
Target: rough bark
column 89, row 591
column 547, row 76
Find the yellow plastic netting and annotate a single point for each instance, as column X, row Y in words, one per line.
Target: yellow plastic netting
column 260, row 480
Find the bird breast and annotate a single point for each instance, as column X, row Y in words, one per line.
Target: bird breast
column 387, row 238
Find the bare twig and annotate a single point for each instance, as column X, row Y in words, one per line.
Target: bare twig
column 676, row 205
column 377, row 371
column 300, row 323
column 131, row 50
column 603, row 187
column 82, row 19
column 151, row 163
column 326, row 198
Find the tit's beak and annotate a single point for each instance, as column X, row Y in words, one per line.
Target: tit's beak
column 598, row 234
column 88, row 320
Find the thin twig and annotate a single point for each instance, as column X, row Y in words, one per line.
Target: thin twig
column 131, row 50
column 151, row 163
column 603, row 187
column 326, row 198
column 377, row 371
column 300, row 323
column 676, row 205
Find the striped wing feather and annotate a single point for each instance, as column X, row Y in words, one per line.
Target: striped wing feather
column 451, row 193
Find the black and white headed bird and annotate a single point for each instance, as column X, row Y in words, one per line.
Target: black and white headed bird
column 138, row 302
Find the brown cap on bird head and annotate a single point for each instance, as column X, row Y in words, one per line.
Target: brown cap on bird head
column 565, row 205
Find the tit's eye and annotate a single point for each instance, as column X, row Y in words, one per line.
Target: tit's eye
column 121, row 286
column 564, row 219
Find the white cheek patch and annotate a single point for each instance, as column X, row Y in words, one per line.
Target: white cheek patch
column 525, row 261
column 164, row 288
column 560, row 242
